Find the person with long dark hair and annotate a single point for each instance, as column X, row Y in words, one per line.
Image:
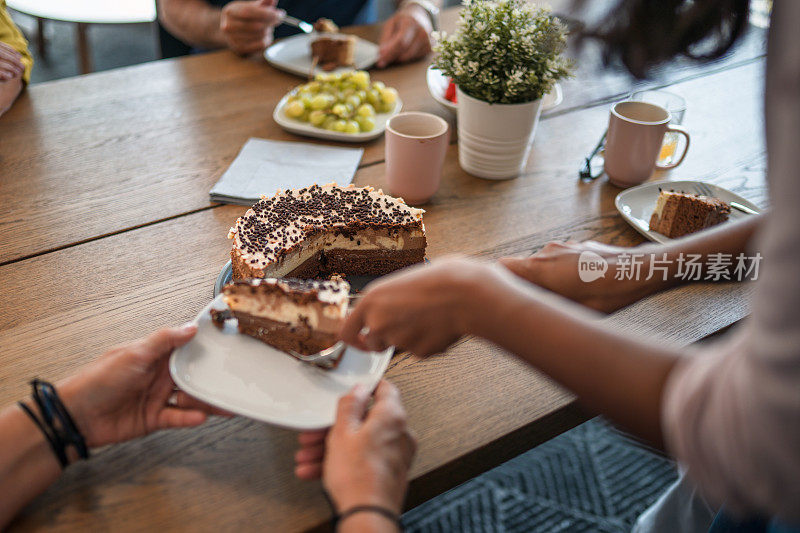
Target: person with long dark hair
column 730, row 412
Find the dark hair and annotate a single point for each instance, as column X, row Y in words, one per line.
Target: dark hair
column 642, row 34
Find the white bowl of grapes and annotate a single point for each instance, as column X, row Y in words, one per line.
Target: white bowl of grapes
column 339, row 106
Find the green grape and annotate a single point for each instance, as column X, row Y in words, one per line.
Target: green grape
column 321, row 101
column 340, row 110
column 321, row 77
column 362, row 95
column 373, row 97
column 365, row 110
column 330, row 122
column 347, row 86
column 365, row 123
column 360, row 78
column 317, row 117
column 295, row 109
column 353, row 100
column 389, row 95
column 313, row 86
column 340, row 125
column 352, row 127
column 379, row 85
column 383, row 107
column 306, row 101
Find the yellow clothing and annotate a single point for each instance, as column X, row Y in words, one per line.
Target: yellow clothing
column 10, row 34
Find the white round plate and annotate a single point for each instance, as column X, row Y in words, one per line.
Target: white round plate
column 293, row 54
column 305, row 128
column 245, row 376
column 637, row 203
column 438, row 82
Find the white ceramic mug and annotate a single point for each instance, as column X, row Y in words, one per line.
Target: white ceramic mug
column 633, row 142
column 416, row 145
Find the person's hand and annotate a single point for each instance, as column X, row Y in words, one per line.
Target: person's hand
column 10, row 63
column 365, row 457
column 555, row 267
column 422, row 309
column 406, row 36
column 247, row 25
column 126, row 393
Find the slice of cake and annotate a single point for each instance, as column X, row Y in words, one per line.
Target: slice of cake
column 334, row 50
column 324, row 25
column 320, row 230
column 290, row 314
column 677, row 214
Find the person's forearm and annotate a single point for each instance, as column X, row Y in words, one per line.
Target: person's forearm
column 9, row 91
column 27, row 464
column 732, row 239
column 616, row 375
column 193, row 21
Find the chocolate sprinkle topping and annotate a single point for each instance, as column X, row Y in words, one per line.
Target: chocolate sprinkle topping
column 274, row 225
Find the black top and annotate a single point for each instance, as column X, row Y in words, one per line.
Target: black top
column 342, row 12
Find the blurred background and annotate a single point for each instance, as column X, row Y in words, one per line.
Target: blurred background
column 108, row 45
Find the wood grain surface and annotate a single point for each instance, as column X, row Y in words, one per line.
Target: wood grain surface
column 63, row 308
column 116, row 150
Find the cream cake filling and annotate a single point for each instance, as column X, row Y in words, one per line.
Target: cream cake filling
column 660, row 203
column 322, row 317
column 364, row 240
column 325, row 314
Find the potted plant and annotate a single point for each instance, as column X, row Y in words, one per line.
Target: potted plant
column 504, row 56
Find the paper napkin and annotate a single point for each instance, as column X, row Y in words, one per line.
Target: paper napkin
column 263, row 167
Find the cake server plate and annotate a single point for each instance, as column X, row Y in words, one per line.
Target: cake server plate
column 243, row 375
column 637, row 203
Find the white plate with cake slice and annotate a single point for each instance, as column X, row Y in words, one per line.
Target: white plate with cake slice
column 243, row 375
column 293, row 54
column 636, row 205
column 305, row 128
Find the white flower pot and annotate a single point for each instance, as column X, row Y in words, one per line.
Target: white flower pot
column 494, row 140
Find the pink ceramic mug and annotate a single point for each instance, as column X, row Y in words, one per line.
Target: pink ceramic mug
column 416, row 144
column 633, row 142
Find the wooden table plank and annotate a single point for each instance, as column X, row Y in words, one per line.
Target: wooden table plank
column 90, row 156
column 63, row 309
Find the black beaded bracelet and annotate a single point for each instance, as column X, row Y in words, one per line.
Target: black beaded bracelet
column 383, row 511
column 56, row 423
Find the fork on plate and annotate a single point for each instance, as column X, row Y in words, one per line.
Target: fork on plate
column 705, row 190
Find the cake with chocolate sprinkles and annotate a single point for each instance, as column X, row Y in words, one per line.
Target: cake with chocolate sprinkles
column 318, row 230
column 290, row 314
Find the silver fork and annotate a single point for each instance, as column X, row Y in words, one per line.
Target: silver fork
column 304, row 26
column 326, row 358
column 705, row 190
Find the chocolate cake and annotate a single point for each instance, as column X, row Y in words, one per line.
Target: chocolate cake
column 324, row 25
column 334, row 50
column 290, row 314
column 677, row 214
column 319, row 230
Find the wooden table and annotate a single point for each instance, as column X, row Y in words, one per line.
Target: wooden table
column 107, row 233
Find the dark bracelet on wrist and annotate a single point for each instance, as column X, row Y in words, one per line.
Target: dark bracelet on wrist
column 55, row 423
column 383, row 511
column 377, row 509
